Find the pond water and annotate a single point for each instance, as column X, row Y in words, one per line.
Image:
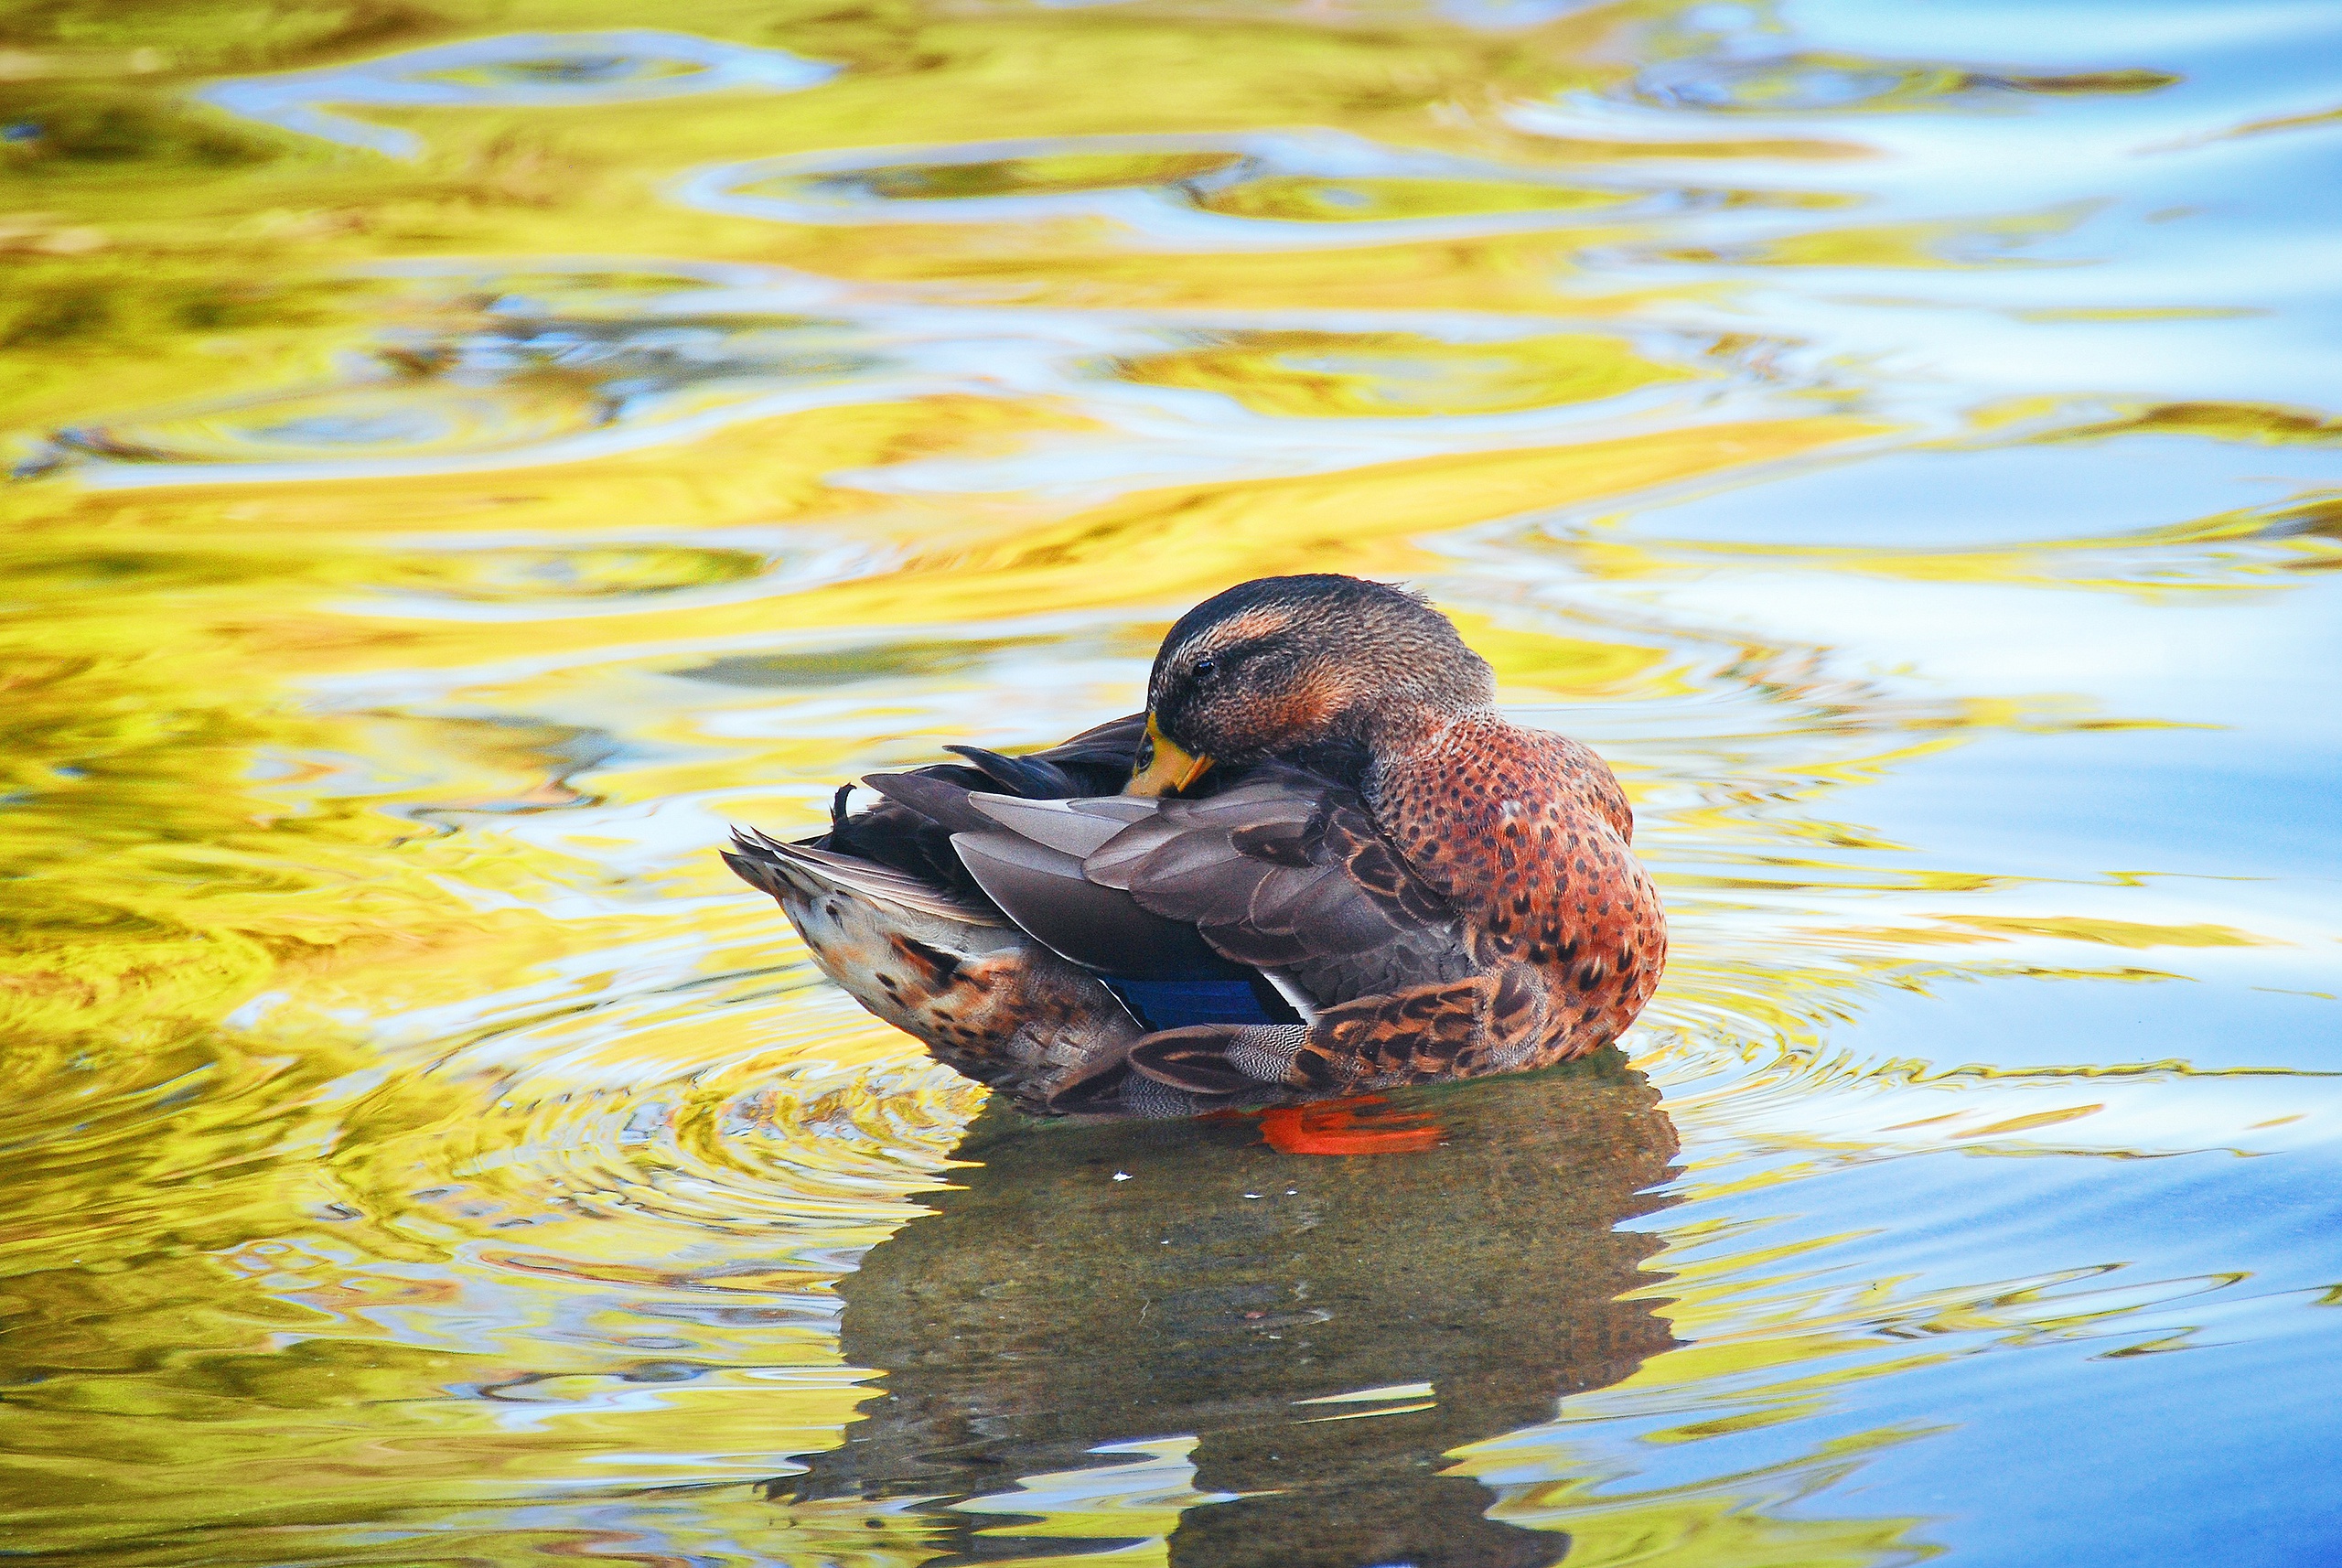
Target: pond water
column 469, row 455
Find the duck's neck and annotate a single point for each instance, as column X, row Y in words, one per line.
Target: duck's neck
column 1401, row 733
column 1359, row 753
column 1400, row 728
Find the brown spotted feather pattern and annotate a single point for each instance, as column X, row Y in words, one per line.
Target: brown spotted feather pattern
column 1527, row 834
column 1514, row 925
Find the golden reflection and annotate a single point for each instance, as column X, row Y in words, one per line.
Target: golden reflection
column 1347, row 375
column 1311, row 199
column 1066, row 171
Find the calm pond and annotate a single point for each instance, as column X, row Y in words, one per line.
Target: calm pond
column 469, row 453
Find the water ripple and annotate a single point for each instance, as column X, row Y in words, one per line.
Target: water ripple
column 1262, row 189
column 535, row 70
column 558, row 364
column 1901, row 439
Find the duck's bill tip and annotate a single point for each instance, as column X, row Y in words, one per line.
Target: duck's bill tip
column 1164, row 768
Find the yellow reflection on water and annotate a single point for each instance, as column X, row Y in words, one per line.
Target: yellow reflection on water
column 421, row 1149
column 1325, row 375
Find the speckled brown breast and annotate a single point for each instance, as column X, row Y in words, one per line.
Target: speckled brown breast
column 1528, row 835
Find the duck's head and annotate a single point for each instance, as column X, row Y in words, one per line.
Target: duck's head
column 1282, row 665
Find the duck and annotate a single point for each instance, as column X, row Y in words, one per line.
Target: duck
column 1320, row 864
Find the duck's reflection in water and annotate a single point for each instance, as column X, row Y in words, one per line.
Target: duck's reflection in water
column 1112, row 1284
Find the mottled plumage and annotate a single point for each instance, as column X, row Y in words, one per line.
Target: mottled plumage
column 892, row 916
column 1365, row 877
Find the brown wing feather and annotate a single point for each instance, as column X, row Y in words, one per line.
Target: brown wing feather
column 1287, row 871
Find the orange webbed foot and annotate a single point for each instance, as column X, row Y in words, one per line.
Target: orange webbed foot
column 1348, row 1126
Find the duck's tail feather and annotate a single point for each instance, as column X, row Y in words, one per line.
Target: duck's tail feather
column 805, row 870
column 908, row 829
column 988, row 1000
column 940, row 800
column 1095, row 762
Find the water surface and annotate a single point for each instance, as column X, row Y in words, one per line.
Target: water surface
column 467, row 457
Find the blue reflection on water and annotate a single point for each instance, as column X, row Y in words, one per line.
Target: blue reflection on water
column 546, row 70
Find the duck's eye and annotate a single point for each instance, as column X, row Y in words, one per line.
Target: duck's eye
column 1205, row 668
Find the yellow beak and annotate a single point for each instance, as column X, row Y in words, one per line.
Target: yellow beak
column 1163, row 769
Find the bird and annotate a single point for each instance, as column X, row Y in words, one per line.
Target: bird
column 1320, row 864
